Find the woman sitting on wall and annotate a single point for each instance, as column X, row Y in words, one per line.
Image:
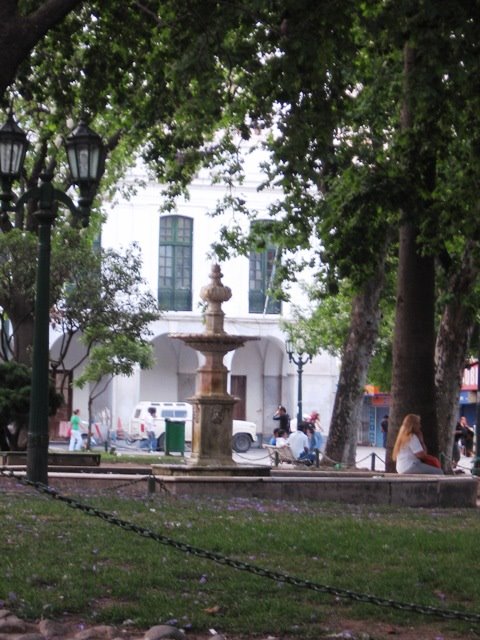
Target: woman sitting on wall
column 410, row 452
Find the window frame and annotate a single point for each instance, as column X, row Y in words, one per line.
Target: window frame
column 261, row 270
column 175, row 263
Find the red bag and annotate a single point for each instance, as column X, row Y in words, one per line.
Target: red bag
column 432, row 461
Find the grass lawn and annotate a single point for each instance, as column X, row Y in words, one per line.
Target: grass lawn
column 59, row 561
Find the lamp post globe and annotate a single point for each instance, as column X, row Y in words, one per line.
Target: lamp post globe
column 289, row 348
column 13, row 147
column 85, row 154
column 86, row 160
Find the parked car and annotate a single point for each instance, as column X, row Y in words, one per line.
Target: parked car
column 243, row 431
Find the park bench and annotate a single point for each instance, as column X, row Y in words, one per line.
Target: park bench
column 284, row 455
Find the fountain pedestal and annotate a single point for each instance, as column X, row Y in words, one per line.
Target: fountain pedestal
column 212, row 404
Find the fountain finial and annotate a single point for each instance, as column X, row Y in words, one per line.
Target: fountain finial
column 214, row 295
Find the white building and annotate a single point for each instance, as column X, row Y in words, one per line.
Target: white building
column 175, row 250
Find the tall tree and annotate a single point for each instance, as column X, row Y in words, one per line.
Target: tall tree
column 440, row 159
column 452, row 343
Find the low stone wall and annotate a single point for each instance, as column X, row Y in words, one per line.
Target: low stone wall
column 412, row 491
column 66, row 459
column 385, row 489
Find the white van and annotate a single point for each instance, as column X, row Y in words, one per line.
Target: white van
column 243, row 432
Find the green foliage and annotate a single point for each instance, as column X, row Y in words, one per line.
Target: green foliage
column 17, row 269
column 106, row 304
column 14, row 392
column 324, row 324
column 15, row 388
column 116, row 355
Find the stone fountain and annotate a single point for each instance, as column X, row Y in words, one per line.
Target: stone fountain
column 212, row 405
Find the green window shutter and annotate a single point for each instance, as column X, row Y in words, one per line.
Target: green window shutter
column 261, row 272
column 175, row 263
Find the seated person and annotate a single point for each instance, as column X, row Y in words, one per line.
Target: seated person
column 410, row 452
column 273, row 439
column 281, row 439
column 298, row 443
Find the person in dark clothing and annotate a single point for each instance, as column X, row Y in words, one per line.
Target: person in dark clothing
column 384, row 428
column 284, row 419
column 457, row 443
column 467, row 437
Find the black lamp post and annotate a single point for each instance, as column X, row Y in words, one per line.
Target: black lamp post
column 296, row 354
column 86, row 157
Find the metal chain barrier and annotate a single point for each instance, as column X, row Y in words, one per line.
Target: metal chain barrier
column 253, row 463
column 449, row 614
column 129, row 483
column 451, row 469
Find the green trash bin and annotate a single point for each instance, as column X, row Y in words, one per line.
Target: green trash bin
column 174, row 436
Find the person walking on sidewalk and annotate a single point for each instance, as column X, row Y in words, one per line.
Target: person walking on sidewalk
column 75, row 432
column 150, row 424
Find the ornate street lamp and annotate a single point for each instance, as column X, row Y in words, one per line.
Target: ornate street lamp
column 296, row 354
column 86, row 155
column 13, row 147
column 86, row 159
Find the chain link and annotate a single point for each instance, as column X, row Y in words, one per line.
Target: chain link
column 129, row 483
column 449, row 614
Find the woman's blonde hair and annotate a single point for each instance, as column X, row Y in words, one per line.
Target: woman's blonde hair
column 410, row 425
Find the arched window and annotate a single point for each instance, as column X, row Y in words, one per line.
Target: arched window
column 175, row 263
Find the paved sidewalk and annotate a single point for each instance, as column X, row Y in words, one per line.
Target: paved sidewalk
column 369, row 458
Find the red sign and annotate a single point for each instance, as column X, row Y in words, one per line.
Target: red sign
column 470, row 378
column 381, row 400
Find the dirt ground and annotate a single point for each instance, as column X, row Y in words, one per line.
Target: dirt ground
column 336, row 628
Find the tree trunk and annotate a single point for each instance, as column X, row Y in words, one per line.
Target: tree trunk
column 458, row 321
column 413, row 371
column 357, row 353
column 413, row 375
column 22, row 320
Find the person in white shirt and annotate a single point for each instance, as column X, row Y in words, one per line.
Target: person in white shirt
column 150, row 424
column 410, row 452
column 298, row 442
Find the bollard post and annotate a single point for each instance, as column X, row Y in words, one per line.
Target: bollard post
column 151, row 485
column 317, row 457
column 277, row 459
column 372, row 466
